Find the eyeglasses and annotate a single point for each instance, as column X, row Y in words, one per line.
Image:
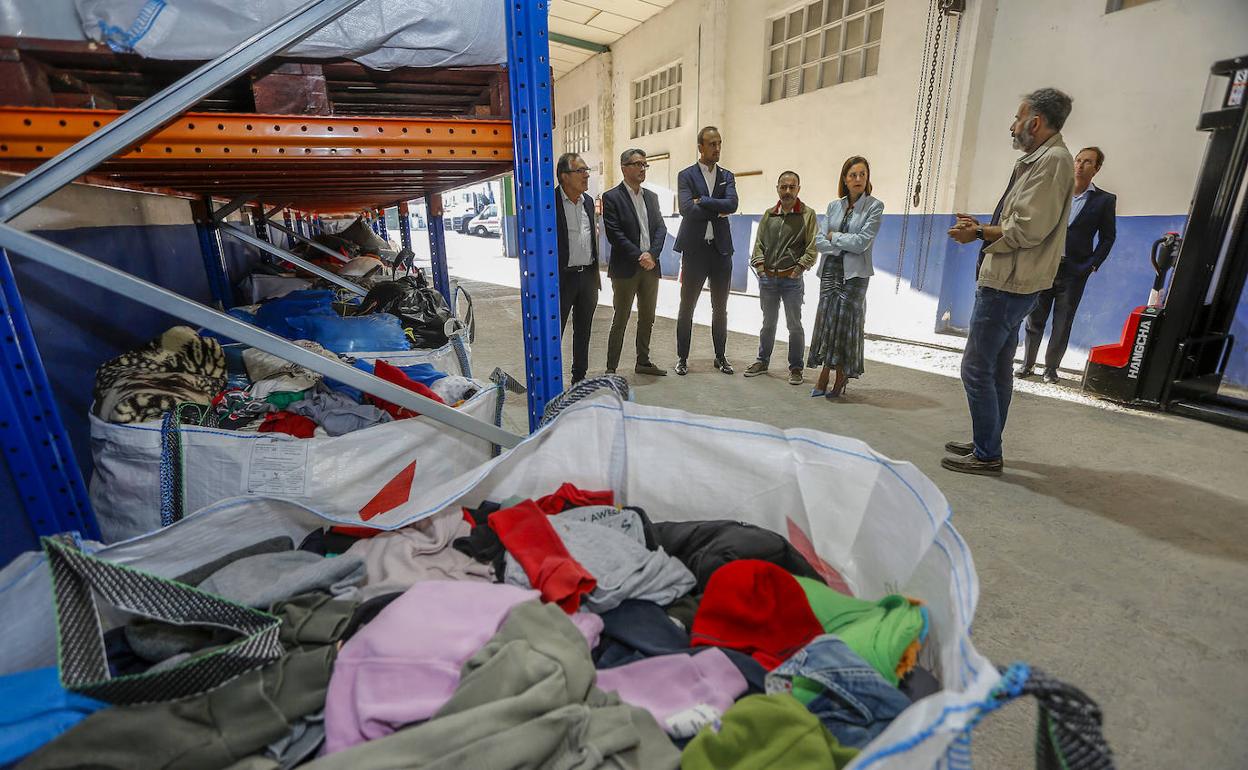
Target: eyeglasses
column 639, row 163
column 584, row 170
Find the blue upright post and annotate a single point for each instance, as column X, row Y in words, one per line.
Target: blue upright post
column 405, row 226
column 36, row 446
column 528, row 63
column 213, row 253
column 381, row 225
column 318, row 226
column 290, row 225
column 437, row 246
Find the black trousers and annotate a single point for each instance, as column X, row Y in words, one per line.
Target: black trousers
column 1063, row 300
column 698, row 265
column 578, row 298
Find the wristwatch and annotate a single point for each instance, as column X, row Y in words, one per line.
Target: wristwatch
column 979, row 232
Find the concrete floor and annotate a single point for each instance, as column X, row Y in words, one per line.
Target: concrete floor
column 1112, row 552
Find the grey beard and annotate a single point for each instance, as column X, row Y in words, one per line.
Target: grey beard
column 1022, row 140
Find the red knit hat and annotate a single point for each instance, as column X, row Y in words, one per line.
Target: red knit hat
column 757, row 608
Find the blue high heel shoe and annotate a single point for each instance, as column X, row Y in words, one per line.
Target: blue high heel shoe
column 816, row 393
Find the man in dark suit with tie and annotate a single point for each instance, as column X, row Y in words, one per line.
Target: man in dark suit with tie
column 635, row 230
column 1092, row 217
column 577, row 233
column 707, row 194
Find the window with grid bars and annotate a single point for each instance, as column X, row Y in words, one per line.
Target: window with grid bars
column 576, row 131
column 822, row 44
column 1122, row 5
column 656, row 101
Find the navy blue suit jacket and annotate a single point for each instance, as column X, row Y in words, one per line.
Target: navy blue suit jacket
column 619, row 219
column 691, row 184
column 1096, row 220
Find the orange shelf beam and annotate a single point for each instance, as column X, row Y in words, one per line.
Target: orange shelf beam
column 33, row 133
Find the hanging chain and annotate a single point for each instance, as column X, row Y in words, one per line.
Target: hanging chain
column 925, row 181
column 927, row 114
column 914, row 149
column 940, row 155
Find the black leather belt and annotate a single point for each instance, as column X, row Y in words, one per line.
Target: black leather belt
column 577, row 268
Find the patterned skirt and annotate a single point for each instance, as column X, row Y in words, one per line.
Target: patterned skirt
column 839, row 321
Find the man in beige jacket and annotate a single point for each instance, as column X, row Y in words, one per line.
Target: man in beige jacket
column 1022, row 251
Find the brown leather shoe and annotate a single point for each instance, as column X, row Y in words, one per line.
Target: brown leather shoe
column 972, row 464
column 959, row 448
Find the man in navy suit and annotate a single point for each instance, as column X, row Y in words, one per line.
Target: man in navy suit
column 1092, row 216
column 577, row 235
column 707, row 194
column 635, row 230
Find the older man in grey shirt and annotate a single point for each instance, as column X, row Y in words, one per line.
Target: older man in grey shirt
column 579, row 280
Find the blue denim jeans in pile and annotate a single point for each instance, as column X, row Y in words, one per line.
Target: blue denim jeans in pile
column 988, row 362
column 855, row 703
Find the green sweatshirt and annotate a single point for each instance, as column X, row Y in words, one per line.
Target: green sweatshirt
column 785, row 241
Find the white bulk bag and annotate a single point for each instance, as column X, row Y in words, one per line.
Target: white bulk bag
column 880, row 524
column 337, row 475
column 455, row 357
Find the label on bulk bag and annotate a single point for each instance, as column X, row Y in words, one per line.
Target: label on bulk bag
column 278, row 467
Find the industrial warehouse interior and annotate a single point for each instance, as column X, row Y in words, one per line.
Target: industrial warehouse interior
column 395, row 385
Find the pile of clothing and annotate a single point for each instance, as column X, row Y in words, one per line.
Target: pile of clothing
column 556, row 631
column 189, row 375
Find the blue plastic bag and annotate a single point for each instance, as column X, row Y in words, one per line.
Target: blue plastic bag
column 278, row 315
column 380, row 331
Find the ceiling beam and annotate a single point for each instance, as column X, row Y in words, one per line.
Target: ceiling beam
column 576, row 42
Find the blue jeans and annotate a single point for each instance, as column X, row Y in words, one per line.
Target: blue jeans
column 792, row 291
column 988, row 361
column 854, row 702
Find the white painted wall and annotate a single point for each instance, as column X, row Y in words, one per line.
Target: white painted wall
column 580, row 88
column 1137, row 77
column 814, row 133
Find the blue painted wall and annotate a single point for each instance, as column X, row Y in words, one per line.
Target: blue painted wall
column 948, row 273
column 925, row 276
column 79, row 326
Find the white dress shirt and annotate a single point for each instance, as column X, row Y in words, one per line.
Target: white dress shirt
column 643, row 218
column 1077, row 203
column 709, row 174
column 579, row 233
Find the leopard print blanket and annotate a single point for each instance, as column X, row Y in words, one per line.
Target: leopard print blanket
column 177, row 367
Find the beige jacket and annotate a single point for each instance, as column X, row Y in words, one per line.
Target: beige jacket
column 1033, row 222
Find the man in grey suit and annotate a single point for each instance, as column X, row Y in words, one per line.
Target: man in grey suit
column 636, row 233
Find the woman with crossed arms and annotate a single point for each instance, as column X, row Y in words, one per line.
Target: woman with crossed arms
column 851, row 224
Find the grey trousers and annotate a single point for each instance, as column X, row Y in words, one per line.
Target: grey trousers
column 526, row 700
column 644, row 286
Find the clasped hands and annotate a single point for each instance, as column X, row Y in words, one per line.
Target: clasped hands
column 963, row 230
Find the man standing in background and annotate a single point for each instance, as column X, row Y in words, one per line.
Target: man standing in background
column 707, row 194
column 636, row 232
column 577, row 234
column 1093, row 214
column 784, row 250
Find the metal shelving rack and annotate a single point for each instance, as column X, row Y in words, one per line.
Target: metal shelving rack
column 247, row 159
